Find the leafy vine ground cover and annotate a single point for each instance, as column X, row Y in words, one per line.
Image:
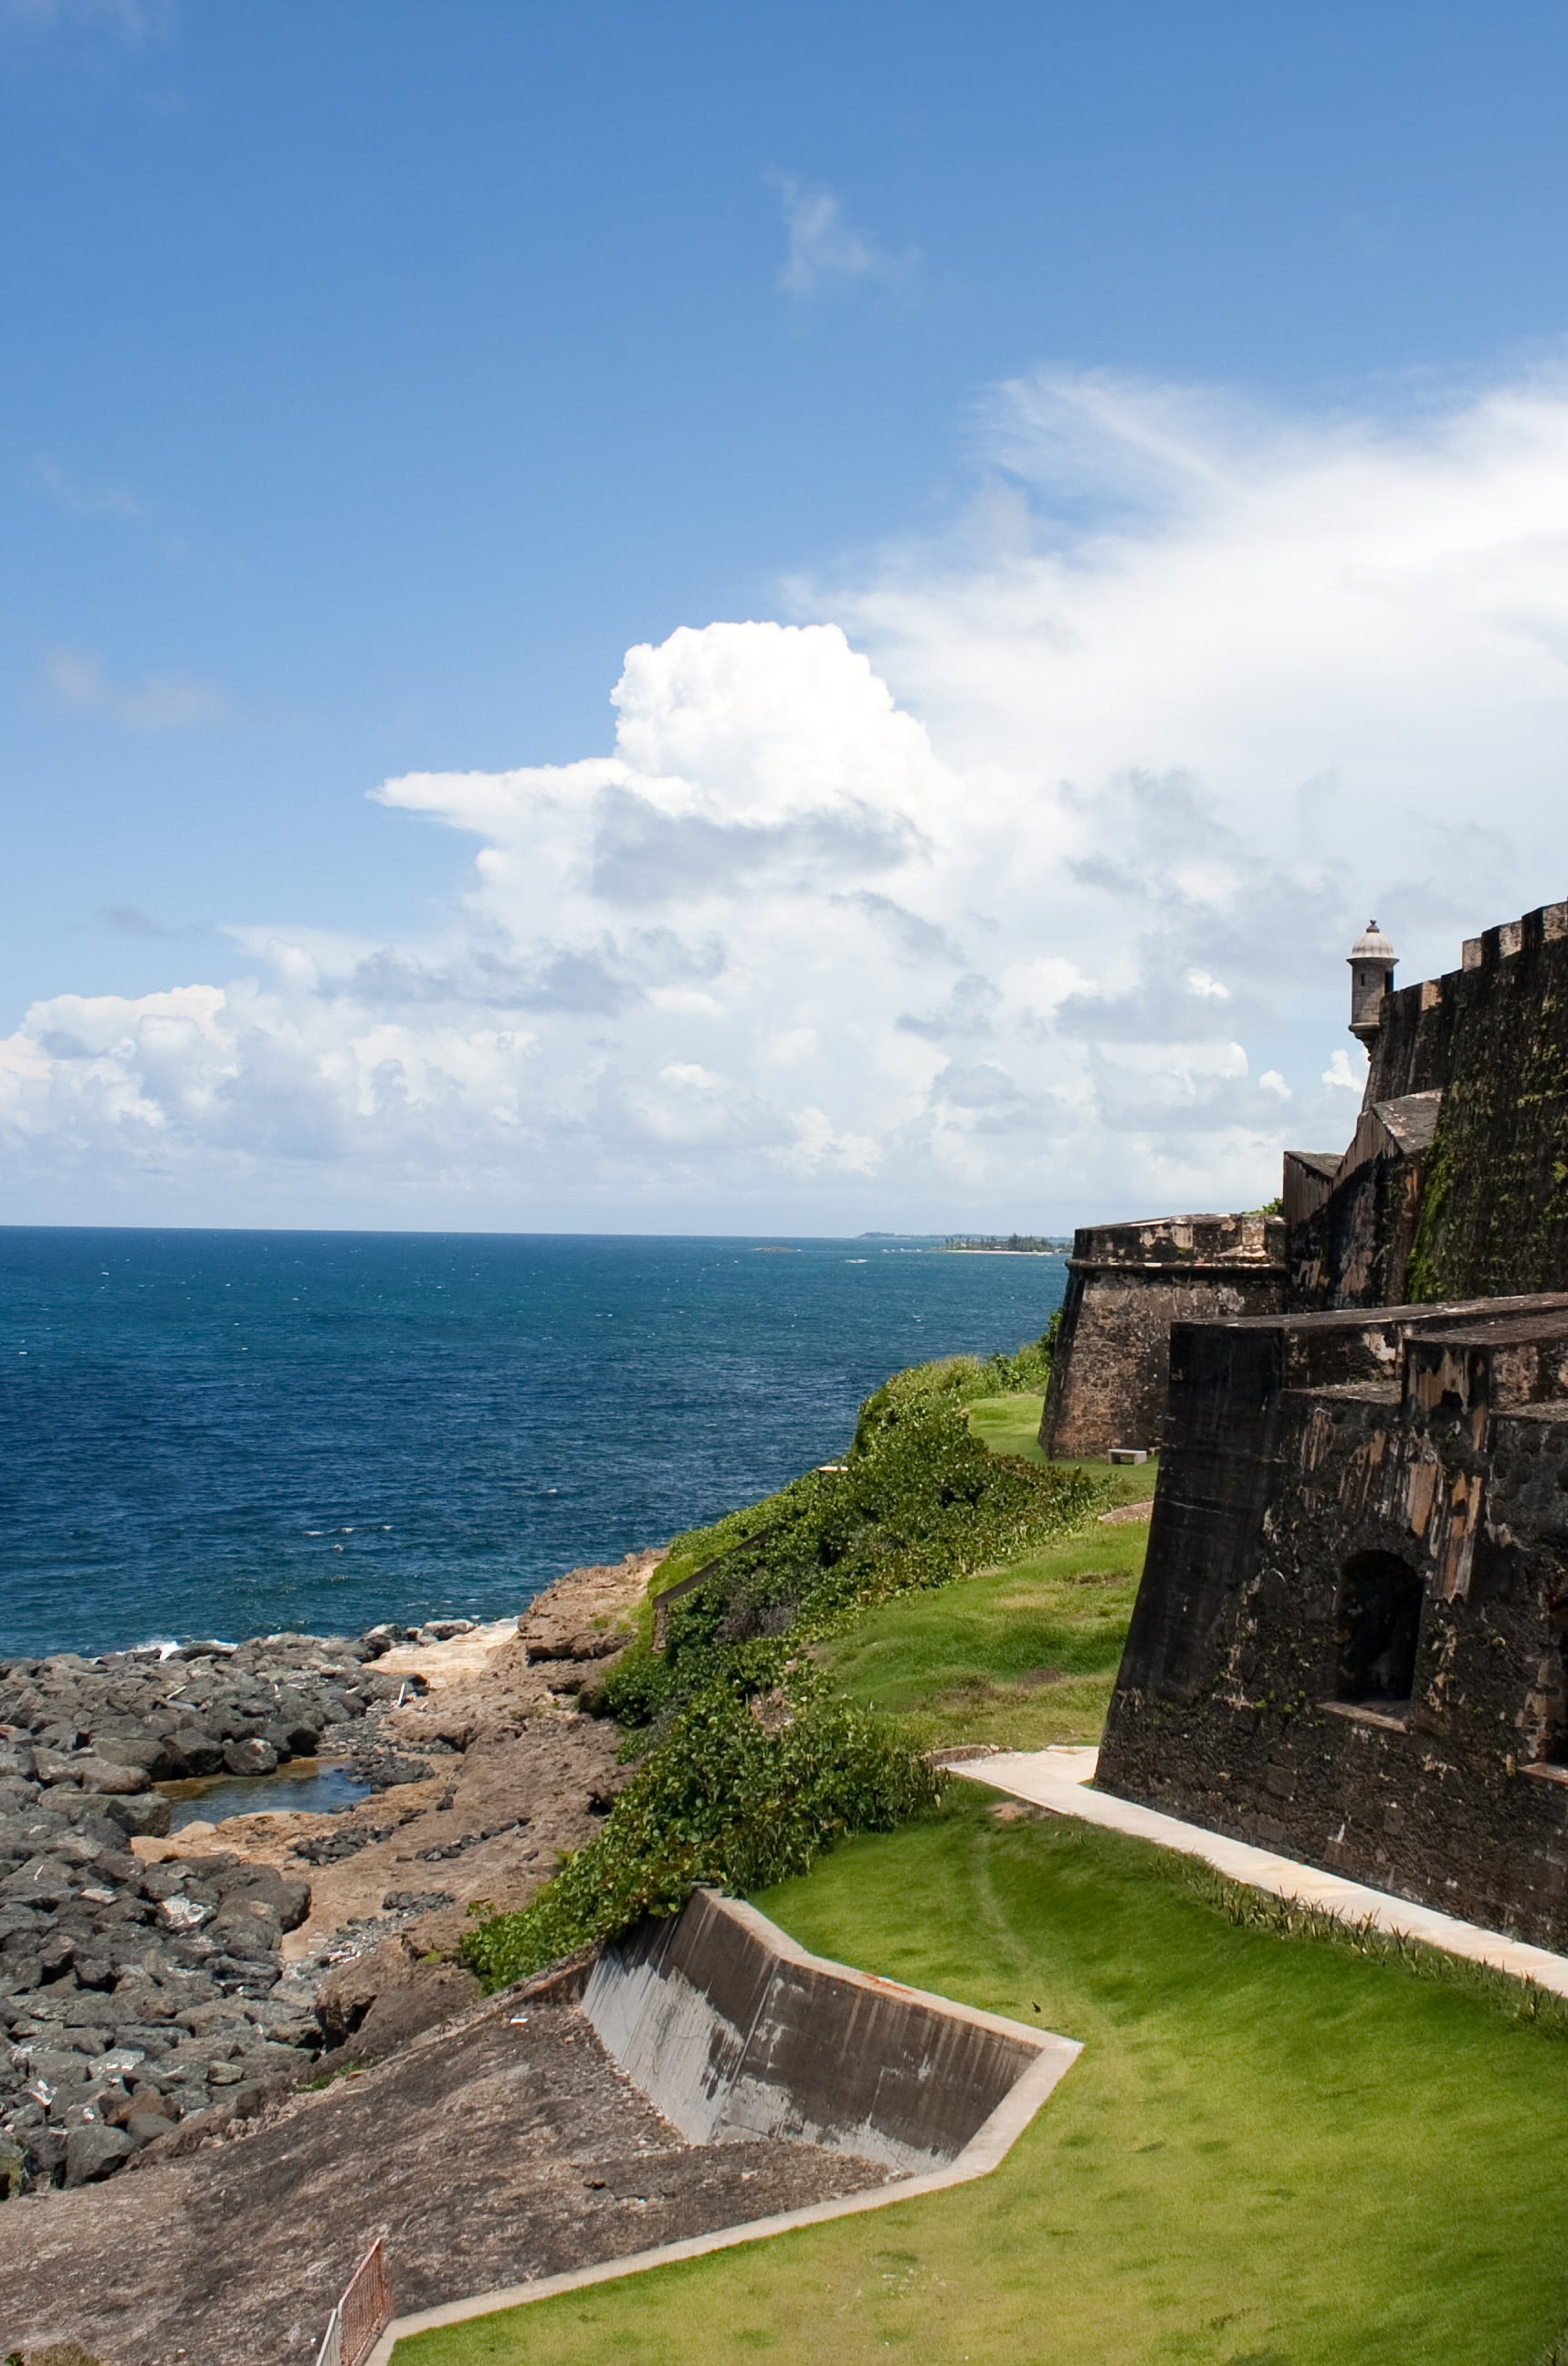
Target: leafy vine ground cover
column 753, row 1759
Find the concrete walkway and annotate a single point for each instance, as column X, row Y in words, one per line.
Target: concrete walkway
column 1057, row 1779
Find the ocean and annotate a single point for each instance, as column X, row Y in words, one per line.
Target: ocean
column 228, row 1434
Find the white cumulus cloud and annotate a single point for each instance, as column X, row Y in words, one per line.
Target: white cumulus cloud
column 1014, row 884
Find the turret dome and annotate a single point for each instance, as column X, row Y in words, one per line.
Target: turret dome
column 1372, row 945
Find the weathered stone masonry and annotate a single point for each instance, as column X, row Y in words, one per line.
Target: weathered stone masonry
column 1126, row 1285
column 1349, row 1640
column 1456, row 1181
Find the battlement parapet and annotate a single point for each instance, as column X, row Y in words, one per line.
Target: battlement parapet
column 1192, row 1243
column 1126, row 1285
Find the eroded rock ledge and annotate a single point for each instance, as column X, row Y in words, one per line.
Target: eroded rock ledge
column 155, row 1991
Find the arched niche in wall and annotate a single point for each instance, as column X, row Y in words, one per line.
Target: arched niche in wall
column 1376, row 1627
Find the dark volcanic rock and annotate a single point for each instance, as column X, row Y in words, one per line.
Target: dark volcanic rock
column 332, row 1848
column 189, row 1749
column 112, row 1778
column 149, row 1814
column 92, row 2151
column 253, row 1755
column 144, row 2007
column 135, row 1749
column 139, row 1998
column 384, row 1770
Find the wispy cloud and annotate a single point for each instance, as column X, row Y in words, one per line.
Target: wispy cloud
column 827, row 250
column 163, row 701
column 1340, row 1074
column 126, row 20
column 130, row 920
column 84, row 501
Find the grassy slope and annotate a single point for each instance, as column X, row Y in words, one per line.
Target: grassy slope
column 1008, row 1425
column 1024, row 1657
column 1271, row 2153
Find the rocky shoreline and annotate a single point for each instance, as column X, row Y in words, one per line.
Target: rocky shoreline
column 156, row 1990
column 503, row 2145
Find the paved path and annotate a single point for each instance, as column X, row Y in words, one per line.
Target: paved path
column 1057, row 1779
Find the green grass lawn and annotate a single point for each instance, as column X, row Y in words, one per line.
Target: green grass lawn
column 1272, row 2152
column 1012, row 1426
column 1024, row 1656
column 1008, row 1425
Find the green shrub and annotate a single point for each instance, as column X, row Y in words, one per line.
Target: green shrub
column 742, row 1791
column 750, row 1768
column 920, row 1500
column 958, row 1381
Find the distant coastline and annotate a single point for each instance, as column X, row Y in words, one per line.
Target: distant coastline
column 1004, row 1245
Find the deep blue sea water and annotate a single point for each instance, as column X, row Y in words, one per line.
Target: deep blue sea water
column 228, row 1434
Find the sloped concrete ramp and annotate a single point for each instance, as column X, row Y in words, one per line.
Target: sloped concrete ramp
column 735, row 2032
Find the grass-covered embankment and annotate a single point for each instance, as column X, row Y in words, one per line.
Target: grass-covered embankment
column 753, row 1757
column 1272, row 2152
column 1023, row 1656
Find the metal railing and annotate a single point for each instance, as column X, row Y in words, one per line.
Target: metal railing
column 356, row 2321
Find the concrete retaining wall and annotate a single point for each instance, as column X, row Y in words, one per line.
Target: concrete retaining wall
column 733, row 2032
column 702, row 2011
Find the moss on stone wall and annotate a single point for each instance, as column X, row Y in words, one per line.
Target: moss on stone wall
column 1495, row 1205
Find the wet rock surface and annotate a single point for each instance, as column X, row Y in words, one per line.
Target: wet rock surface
column 164, row 1715
column 502, row 2147
column 132, row 1995
column 137, row 1997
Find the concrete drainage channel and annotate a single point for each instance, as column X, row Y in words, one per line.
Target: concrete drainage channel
column 734, row 2032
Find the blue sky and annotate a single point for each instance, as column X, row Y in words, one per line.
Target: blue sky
column 379, row 375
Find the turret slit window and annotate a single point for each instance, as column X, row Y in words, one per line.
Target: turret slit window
column 1376, row 1627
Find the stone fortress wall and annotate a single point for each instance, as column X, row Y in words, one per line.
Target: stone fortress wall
column 1126, row 1285
column 1350, row 1641
column 1453, row 1185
